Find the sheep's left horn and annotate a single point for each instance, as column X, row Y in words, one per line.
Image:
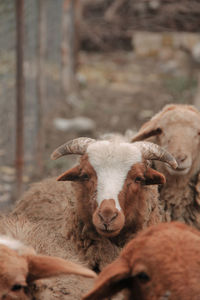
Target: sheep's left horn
column 76, row 146
column 152, row 151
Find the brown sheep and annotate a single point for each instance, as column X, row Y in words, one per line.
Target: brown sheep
column 177, row 129
column 160, row 263
column 19, row 232
column 104, row 200
column 20, row 266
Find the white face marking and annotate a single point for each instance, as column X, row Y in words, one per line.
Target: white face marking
column 10, row 243
column 112, row 162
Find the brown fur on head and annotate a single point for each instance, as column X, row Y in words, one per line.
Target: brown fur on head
column 162, row 262
column 107, row 218
column 177, row 129
column 18, row 270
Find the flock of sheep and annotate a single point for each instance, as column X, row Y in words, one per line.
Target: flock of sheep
column 110, row 217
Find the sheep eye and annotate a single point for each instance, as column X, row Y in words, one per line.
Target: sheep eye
column 138, row 179
column 84, row 177
column 143, row 277
column 16, row 287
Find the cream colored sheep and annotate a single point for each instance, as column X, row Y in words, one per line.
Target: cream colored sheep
column 102, row 202
column 176, row 128
column 21, row 267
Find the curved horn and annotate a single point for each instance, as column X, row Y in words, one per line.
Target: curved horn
column 76, row 146
column 152, row 151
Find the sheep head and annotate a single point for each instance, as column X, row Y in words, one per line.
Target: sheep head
column 177, row 129
column 162, row 262
column 19, row 266
column 113, row 176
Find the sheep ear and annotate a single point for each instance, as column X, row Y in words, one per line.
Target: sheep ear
column 154, row 177
column 148, row 130
column 111, row 280
column 40, row 266
column 70, row 175
column 151, row 128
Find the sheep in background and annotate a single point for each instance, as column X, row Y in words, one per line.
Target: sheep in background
column 176, row 128
column 107, row 198
column 23, row 263
column 160, row 263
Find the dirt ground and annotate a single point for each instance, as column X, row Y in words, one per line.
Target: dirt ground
column 118, row 91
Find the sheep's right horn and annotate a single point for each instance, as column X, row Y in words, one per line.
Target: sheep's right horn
column 152, row 151
column 76, row 146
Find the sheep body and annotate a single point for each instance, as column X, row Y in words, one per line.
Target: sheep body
column 177, row 129
column 19, row 232
column 60, row 214
column 161, row 262
column 86, row 213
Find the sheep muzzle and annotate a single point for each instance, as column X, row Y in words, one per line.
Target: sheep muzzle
column 184, row 161
column 107, row 219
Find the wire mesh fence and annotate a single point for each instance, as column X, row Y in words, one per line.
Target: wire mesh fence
column 8, row 82
column 104, row 25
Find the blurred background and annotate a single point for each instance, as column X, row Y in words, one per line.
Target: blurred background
column 71, row 68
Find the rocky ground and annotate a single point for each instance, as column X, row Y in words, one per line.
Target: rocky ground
column 117, row 91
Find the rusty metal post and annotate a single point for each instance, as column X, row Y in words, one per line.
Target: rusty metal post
column 41, row 84
column 19, row 159
column 69, row 46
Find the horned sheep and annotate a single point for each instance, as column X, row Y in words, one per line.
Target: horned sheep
column 21, row 267
column 100, row 204
column 160, row 263
column 176, row 128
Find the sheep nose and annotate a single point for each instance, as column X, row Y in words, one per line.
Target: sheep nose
column 106, row 218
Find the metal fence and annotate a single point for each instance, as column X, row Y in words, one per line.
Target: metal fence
column 105, row 24
column 8, row 81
